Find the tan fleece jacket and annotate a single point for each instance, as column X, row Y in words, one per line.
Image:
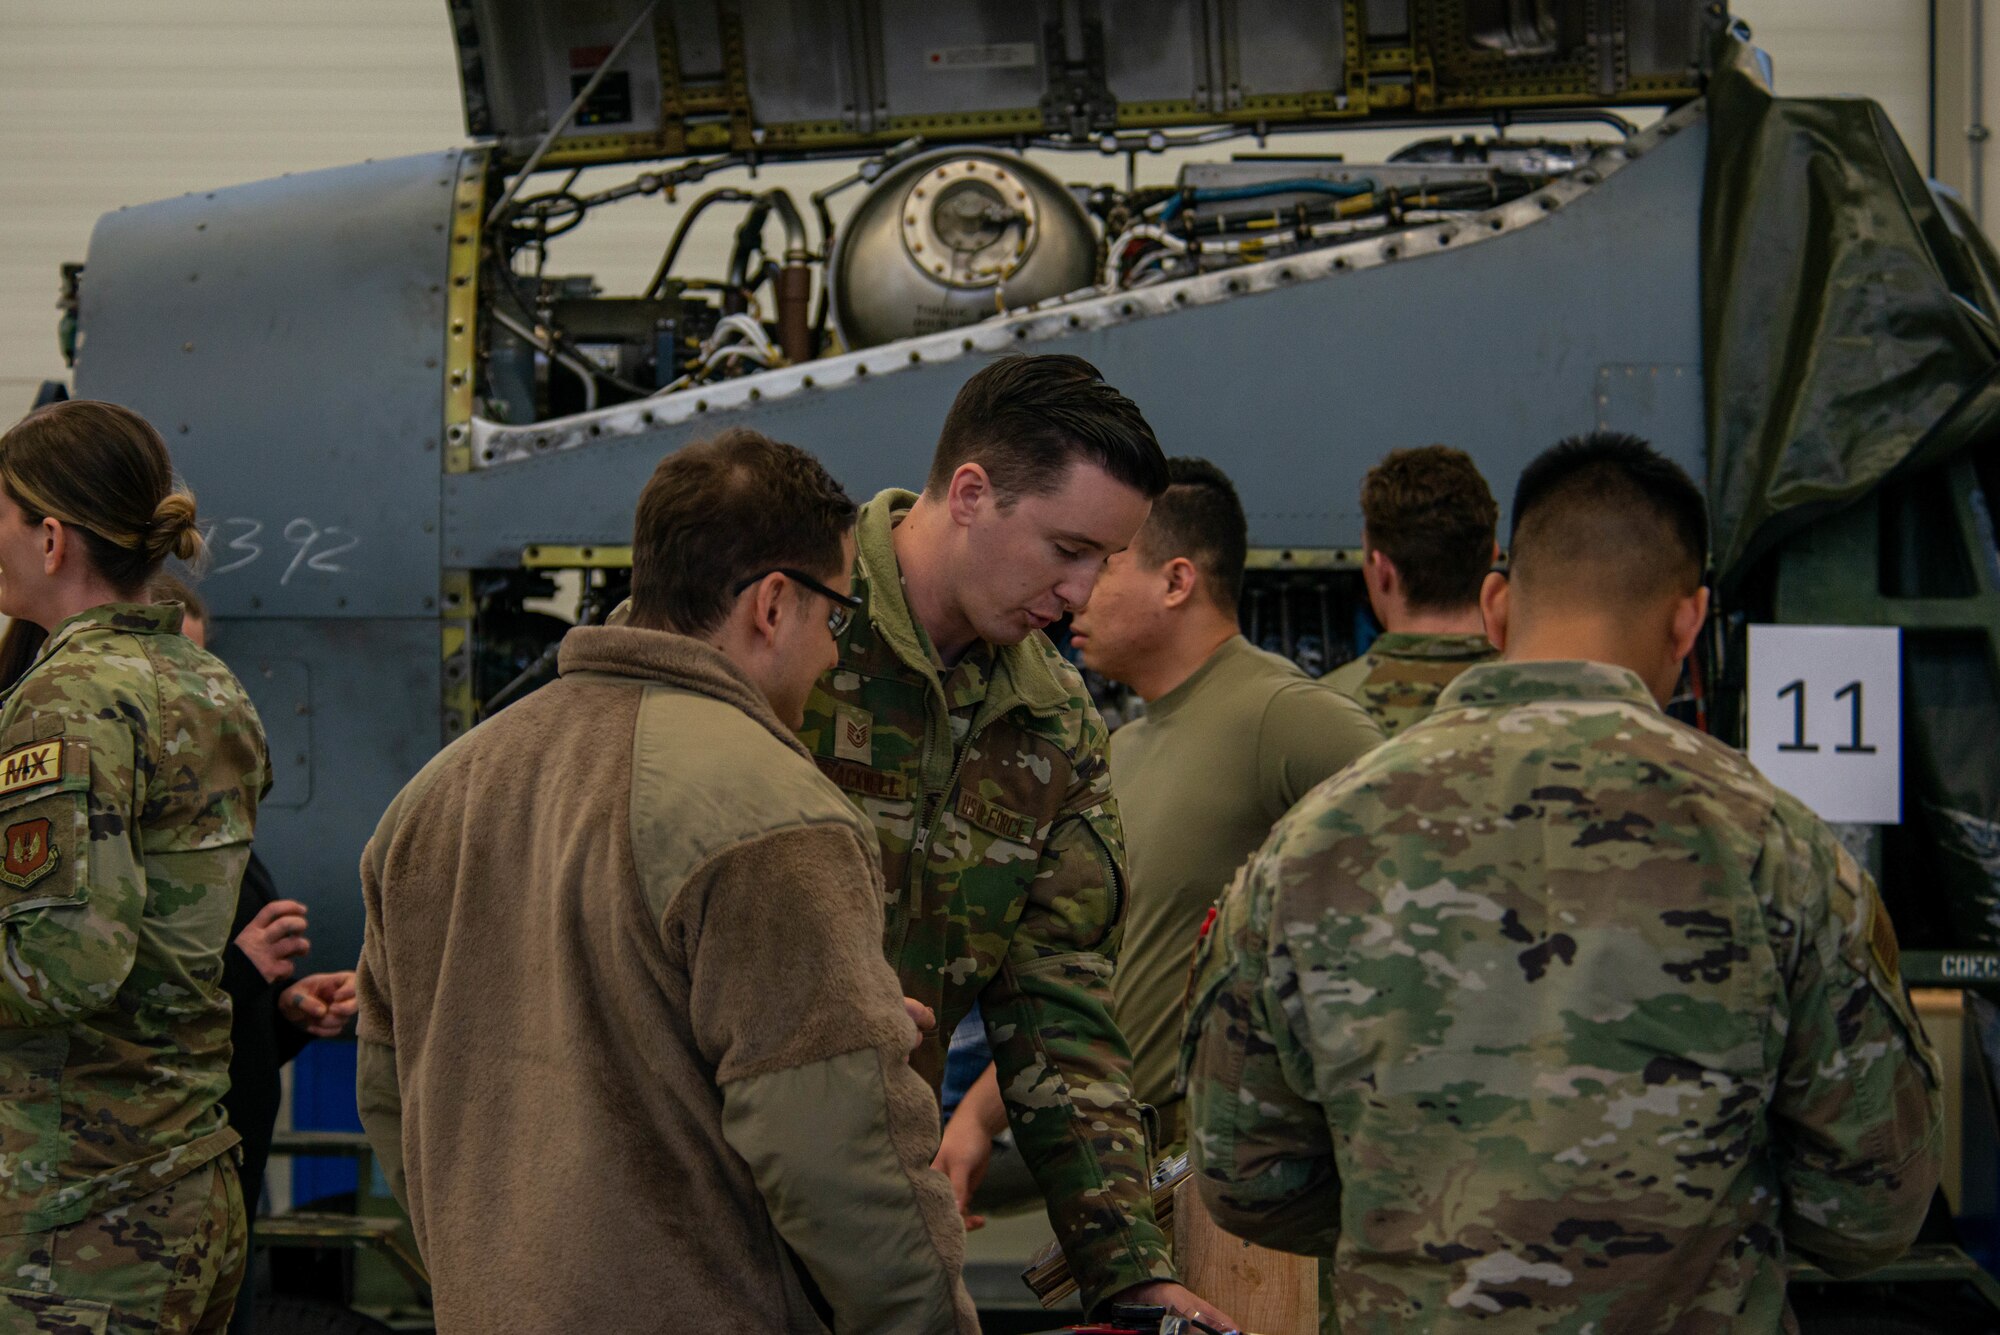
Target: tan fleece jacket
column 630, row 1052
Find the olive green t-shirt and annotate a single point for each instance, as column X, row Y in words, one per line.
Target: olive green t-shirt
column 1200, row 779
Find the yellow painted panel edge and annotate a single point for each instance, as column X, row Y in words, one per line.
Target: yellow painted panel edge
column 552, row 556
column 462, row 311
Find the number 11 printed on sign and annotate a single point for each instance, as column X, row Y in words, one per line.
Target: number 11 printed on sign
column 1826, row 717
column 1796, row 691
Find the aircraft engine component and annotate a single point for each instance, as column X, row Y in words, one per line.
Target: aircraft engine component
column 1518, row 28
column 515, row 406
column 952, row 238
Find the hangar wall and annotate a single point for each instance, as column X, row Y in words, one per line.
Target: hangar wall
column 120, row 102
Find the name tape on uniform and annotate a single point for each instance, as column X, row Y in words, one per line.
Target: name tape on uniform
column 862, row 779
column 996, row 819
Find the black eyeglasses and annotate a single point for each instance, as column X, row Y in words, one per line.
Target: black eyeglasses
column 844, row 605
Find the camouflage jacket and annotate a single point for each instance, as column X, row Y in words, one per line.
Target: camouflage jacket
column 1400, row 677
column 131, row 765
column 1556, row 1012
column 1004, row 864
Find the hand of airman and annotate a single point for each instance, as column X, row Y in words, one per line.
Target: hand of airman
column 274, row 938
column 321, row 1003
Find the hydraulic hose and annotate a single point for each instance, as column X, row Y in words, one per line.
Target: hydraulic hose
column 1301, row 186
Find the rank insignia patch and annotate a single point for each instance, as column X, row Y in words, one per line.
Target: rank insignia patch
column 30, row 853
column 852, row 739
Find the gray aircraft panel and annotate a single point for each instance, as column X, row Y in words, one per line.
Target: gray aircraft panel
column 351, row 710
column 1588, row 314
column 285, row 337
column 987, row 69
column 872, row 435
column 1497, row 348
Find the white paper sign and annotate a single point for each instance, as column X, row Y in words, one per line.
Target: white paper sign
column 1826, row 717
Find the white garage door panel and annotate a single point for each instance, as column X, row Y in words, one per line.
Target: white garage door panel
column 1870, row 48
column 118, row 102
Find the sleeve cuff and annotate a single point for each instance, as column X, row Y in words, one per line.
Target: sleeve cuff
column 1103, row 1274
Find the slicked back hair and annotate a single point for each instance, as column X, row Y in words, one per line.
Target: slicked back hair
column 1431, row 513
column 1200, row 518
column 1025, row 420
column 1610, row 518
column 722, row 510
column 103, row 470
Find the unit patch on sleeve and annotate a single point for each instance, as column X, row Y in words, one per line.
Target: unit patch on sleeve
column 30, row 766
column 30, row 853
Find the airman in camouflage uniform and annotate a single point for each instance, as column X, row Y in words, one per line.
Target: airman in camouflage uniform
column 1399, row 679
column 1003, row 858
column 952, row 722
column 1427, row 537
column 131, row 765
column 1554, row 1011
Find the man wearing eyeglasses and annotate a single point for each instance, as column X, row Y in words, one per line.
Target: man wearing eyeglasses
column 630, row 1054
column 973, row 748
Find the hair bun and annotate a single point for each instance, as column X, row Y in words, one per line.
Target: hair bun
column 173, row 531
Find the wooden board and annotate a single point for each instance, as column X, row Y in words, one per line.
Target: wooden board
column 1267, row 1292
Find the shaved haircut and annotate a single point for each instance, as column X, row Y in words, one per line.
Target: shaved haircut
column 1199, row 517
column 1607, row 519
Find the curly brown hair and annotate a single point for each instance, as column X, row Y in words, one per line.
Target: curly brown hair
column 1430, row 512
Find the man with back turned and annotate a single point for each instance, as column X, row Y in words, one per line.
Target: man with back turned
column 1427, row 521
column 1553, row 1011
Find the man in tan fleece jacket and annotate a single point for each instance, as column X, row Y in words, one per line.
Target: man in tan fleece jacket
column 630, row 1052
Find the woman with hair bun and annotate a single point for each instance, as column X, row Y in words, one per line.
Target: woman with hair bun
column 131, row 765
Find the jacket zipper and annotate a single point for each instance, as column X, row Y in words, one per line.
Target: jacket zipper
column 1113, row 878
column 931, row 809
column 935, row 810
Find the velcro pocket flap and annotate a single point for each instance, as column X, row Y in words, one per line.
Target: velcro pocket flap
column 42, row 1311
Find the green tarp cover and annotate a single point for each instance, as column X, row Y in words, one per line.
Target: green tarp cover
column 1842, row 310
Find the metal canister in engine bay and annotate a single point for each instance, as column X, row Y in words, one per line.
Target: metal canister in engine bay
column 947, row 239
